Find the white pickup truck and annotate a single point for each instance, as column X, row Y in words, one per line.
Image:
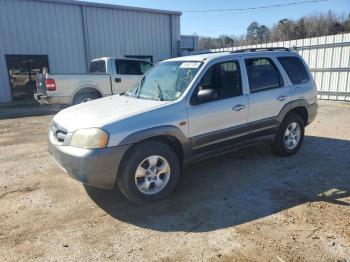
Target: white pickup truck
column 107, row 76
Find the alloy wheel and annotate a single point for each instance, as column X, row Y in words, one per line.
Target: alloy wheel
column 152, row 175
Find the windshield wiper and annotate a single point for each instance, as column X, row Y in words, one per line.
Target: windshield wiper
column 138, row 89
column 160, row 93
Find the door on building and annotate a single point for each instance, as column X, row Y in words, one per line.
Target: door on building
column 22, row 71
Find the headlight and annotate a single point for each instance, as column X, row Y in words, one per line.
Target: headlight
column 89, row 138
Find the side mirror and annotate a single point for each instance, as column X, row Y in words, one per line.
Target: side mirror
column 207, row 95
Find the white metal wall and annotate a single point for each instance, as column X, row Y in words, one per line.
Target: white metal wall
column 328, row 58
column 72, row 33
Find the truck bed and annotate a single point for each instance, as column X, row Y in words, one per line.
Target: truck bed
column 67, row 85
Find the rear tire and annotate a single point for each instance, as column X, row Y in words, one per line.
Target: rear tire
column 289, row 136
column 85, row 97
column 149, row 172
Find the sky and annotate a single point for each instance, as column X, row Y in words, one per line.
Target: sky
column 233, row 22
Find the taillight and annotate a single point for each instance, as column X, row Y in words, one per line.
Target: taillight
column 50, row 84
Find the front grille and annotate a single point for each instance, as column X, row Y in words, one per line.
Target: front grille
column 59, row 133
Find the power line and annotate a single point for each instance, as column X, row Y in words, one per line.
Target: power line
column 253, row 8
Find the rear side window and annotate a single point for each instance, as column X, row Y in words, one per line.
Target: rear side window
column 262, row 74
column 295, row 69
column 97, row 66
column 130, row 67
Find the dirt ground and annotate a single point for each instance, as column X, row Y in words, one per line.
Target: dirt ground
column 244, row 206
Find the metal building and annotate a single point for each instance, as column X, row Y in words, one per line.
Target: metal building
column 188, row 43
column 64, row 35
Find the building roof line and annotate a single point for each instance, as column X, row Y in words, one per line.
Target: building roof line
column 110, row 6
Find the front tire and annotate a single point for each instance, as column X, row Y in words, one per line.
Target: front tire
column 290, row 135
column 149, row 172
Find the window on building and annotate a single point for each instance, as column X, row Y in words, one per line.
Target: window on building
column 262, row 74
column 295, row 69
column 132, row 67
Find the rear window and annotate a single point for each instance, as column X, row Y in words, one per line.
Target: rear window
column 295, row 69
column 132, row 67
column 97, row 66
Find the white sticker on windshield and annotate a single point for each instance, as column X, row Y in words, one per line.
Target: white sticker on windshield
column 190, row 65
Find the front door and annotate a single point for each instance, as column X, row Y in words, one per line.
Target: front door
column 22, row 71
column 224, row 118
column 128, row 74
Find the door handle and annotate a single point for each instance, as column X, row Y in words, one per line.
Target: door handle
column 117, row 80
column 281, row 98
column 238, row 108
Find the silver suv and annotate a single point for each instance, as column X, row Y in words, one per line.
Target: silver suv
column 185, row 109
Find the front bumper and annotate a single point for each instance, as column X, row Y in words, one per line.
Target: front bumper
column 95, row 167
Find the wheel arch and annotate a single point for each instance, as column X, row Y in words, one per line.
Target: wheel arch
column 302, row 112
column 300, row 107
column 86, row 89
column 169, row 135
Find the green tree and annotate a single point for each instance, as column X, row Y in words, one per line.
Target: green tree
column 252, row 30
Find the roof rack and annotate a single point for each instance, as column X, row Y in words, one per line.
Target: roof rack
column 261, row 49
column 209, row 52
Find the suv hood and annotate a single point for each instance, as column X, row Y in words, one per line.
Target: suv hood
column 100, row 112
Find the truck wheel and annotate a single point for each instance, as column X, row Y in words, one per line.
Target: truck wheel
column 290, row 135
column 85, row 97
column 149, row 172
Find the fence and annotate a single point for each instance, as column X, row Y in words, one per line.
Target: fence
column 328, row 58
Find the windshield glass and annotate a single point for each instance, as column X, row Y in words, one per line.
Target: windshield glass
column 166, row 81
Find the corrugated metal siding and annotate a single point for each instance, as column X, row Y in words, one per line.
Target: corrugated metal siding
column 73, row 34
column 188, row 42
column 40, row 28
column 175, row 35
column 112, row 32
column 328, row 58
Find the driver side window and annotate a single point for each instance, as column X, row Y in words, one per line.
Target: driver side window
column 224, row 78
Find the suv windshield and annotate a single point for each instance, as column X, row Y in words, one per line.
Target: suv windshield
column 166, row 81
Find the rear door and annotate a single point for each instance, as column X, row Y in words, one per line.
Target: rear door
column 268, row 90
column 128, row 74
column 213, row 122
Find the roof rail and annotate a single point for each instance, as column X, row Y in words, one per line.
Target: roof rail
column 199, row 52
column 261, row 49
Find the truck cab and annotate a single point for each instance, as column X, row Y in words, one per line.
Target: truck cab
column 124, row 72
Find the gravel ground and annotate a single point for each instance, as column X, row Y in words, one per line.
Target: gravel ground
column 245, row 206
